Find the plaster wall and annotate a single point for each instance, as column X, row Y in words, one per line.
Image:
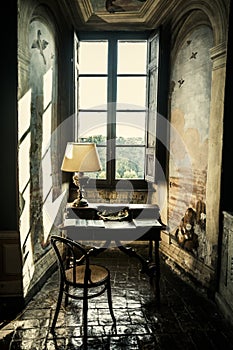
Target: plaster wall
column 190, row 110
column 39, row 141
column 196, row 113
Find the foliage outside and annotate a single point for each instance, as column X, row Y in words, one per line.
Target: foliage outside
column 129, row 159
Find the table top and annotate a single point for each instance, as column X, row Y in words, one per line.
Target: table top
column 84, row 223
column 99, row 230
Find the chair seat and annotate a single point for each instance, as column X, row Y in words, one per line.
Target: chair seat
column 98, row 275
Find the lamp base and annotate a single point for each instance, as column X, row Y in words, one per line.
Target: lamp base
column 80, row 203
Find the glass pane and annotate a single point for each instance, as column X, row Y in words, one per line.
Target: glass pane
column 130, row 128
column 93, row 57
column 92, row 127
column 103, row 160
column 130, row 162
column 131, row 93
column 132, row 57
column 92, row 93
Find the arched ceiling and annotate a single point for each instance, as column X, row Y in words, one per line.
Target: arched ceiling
column 118, row 14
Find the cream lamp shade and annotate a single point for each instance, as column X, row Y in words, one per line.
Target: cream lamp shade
column 81, row 157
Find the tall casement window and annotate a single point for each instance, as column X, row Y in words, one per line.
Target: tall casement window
column 112, row 103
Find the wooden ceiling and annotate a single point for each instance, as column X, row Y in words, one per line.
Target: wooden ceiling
column 117, row 14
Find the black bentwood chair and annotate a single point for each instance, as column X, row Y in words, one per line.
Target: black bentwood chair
column 76, row 273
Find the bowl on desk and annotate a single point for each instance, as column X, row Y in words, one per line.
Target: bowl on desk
column 113, row 213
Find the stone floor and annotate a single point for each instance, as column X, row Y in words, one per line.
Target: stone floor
column 186, row 319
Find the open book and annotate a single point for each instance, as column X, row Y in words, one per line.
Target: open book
column 83, row 223
column 75, row 222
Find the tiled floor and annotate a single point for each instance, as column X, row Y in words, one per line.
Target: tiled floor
column 185, row 320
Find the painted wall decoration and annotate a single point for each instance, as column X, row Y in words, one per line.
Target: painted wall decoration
column 36, row 121
column 192, row 225
column 113, row 6
column 190, row 109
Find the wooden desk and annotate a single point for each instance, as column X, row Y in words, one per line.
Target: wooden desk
column 142, row 224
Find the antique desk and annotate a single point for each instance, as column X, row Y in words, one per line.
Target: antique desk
column 119, row 223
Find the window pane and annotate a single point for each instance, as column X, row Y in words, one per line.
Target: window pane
column 125, row 119
column 92, row 127
column 131, row 93
column 103, row 160
column 132, row 57
column 92, row 93
column 93, row 57
column 130, row 162
column 130, row 128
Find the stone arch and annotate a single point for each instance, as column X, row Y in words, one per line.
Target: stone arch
column 29, row 11
column 214, row 13
column 186, row 25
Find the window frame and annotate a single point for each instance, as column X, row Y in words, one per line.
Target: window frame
column 113, row 37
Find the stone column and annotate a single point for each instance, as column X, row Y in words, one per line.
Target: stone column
column 218, row 55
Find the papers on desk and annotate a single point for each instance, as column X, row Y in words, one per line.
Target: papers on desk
column 118, row 224
column 72, row 223
column 95, row 223
column 83, row 223
column 146, row 222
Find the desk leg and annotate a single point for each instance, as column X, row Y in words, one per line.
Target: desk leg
column 150, row 268
column 132, row 253
column 98, row 250
column 150, row 250
column 155, row 279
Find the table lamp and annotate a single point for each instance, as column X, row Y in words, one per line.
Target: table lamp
column 80, row 158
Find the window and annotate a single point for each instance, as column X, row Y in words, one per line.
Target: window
column 112, row 103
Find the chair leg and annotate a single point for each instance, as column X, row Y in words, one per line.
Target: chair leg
column 59, row 300
column 109, row 294
column 66, row 295
column 85, row 311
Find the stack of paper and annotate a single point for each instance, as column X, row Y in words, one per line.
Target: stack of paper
column 95, row 223
column 75, row 222
column 146, row 222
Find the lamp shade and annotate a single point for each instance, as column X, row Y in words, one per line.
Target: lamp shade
column 81, row 157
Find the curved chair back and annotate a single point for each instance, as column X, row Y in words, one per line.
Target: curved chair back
column 70, row 254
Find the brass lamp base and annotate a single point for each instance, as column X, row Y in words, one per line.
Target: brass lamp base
column 80, row 203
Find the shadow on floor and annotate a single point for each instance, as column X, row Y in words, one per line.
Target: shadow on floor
column 186, row 319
